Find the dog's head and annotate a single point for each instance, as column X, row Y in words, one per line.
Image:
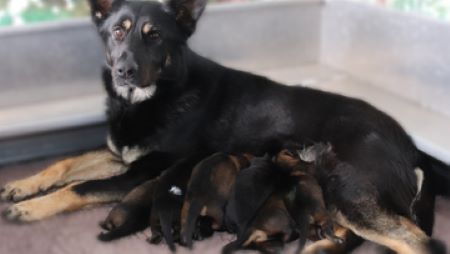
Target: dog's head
column 144, row 41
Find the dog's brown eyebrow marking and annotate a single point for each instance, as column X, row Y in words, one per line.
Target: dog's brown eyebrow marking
column 126, row 24
column 146, row 28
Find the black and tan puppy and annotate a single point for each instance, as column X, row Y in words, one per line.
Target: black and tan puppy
column 131, row 214
column 305, row 200
column 269, row 230
column 253, row 186
column 208, row 191
column 168, row 199
column 251, row 203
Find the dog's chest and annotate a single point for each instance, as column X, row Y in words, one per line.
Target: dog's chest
column 128, row 154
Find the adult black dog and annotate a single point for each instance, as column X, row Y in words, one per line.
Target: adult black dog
column 165, row 101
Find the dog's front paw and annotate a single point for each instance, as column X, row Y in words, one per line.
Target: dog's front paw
column 25, row 211
column 18, row 190
column 18, row 212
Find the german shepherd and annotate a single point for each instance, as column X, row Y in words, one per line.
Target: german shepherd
column 165, row 101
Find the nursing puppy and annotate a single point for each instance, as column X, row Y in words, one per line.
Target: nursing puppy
column 254, row 201
column 253, row 186
column 131, row 214
column 305, row 201
column 167, row 200
column 208, row 191
column 269, row 230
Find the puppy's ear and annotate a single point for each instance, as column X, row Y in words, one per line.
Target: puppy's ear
column 100, row 9
column 187, row 13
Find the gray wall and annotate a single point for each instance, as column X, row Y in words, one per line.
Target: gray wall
column 401, row 53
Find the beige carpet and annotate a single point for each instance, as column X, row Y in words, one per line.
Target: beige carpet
column 75, row 233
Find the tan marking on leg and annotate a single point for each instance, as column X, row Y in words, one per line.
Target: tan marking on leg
column 89, row 166
column 257, row 236
column 184, row 213
column 394, row 232
column 62, row 200
column 20, row 189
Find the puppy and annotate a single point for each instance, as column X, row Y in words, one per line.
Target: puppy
column 253, row 204
column 269, row 230
column 305, row 200
column 168, row 199
column 131, row 214
column 253, row 186
column 208, row 191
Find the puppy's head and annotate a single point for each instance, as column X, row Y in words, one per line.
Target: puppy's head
column 143, row 41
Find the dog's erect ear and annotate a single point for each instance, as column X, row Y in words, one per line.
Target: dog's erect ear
column 187, row 13
column 100, row 9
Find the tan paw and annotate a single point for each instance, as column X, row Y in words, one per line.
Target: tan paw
column 25, row 211
column 18, row 190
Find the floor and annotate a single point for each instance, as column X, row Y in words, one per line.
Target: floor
column 76, row 232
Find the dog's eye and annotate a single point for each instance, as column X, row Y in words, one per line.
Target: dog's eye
column 118, row 33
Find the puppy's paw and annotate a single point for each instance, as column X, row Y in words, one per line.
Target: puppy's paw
column 123, row 220
column 18, row 190
column 155, row 239
column 113, row 224
column 327, row 232
column 115, row 219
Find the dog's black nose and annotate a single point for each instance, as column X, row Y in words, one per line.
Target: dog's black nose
column 125, row 71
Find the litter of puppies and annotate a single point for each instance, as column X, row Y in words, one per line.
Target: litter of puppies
column 266, row 201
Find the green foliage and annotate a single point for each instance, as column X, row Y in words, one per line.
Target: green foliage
column 50, row 10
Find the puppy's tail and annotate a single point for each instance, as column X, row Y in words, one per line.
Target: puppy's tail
column 439, row 172
column 166, row 220
column 188, row 227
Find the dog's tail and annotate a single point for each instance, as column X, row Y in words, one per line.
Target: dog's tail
column 439, row 172
column 188, row 227
column 166, row 220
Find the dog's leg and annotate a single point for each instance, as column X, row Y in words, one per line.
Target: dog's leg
column 94, row 165
column 76, row 196
column 62, row 200
column 395, row 232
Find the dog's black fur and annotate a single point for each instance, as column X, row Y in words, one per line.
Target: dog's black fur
column 201, row 105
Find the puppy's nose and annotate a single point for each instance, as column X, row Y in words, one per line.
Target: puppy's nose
column 125, row 71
